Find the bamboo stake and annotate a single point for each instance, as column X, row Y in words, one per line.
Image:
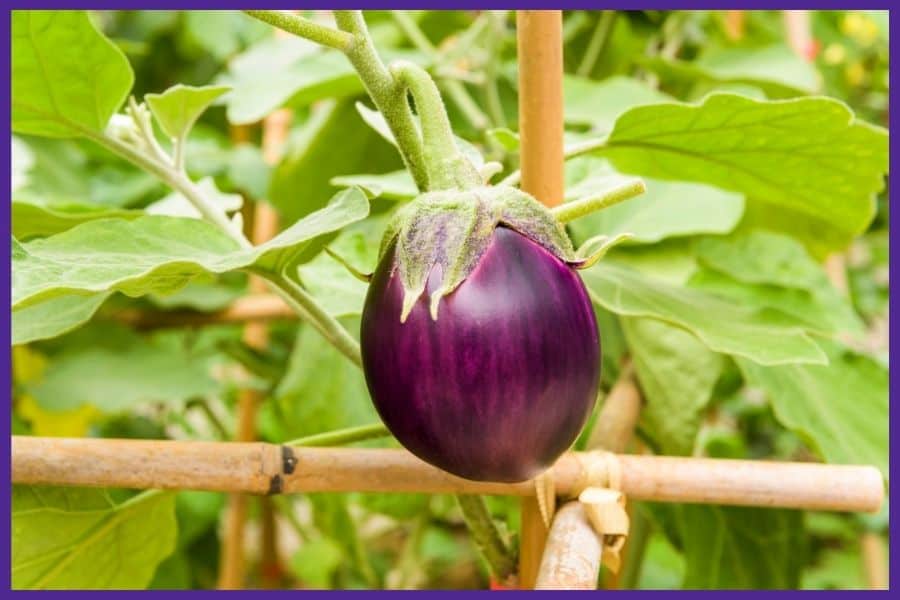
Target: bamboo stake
column 256, row 335
column 875, row 561
column 571, row 558
column 260, row 468
column 539, row 34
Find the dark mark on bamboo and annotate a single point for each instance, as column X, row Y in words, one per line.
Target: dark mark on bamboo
column 288, row 460
column 275, row 485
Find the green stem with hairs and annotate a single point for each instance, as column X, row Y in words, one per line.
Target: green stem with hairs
column 386, row 93
column 570, row 211
column 339, row 437
column 500, row 560
column 447, row 167
column 353, row 39
column 320, row 34
column 456, row 89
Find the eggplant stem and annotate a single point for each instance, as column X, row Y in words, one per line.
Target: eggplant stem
column 582, row 207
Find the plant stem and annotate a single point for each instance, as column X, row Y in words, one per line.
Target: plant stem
column 324, row 323
column 326, row 36
column 597, row 44
column 340, row 437
column 570, row 211
column 638, row 536
column 212, row 417
column 572, row 151
column 491, row 86
column 385, row 93
column 447, row 167
column 456, row 89
column 175, row 180
column 487, row 538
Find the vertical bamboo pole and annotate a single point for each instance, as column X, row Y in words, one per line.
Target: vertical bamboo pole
column 256, row 335
column 540, row 48
column 875, row 561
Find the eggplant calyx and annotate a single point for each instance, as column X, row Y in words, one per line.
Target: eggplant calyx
column 596, row 248
column 450, row 230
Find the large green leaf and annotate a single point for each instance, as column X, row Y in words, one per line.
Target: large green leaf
column 776, row 69
column 71, row 538
column 840, row 409
column 159, row 254
column 53, row 317
column 666, row 209
column 117, row 379
column 740, row 548
column 677, row 374
column 30, row 218
column 767, row 269
column 178, row 108
column 289, row 70
column 308, row 403
column 599, row 103
column 334, row 142
column 723, row 326
column 67, row 78
column 809, row 155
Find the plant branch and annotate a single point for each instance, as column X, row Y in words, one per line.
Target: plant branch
column 455, row 89
column 385, row 93
column 300, row 26
column 570, row 211
column 447, row 167
column 486, row 536
column 573, row 151
column 339, row 437
column 299, row 299
column 597, row 44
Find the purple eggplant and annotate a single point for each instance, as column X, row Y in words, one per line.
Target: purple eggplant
column 498, row 384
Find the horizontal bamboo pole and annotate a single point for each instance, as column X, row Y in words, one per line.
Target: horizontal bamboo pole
column 261, row 468
column 571, row 559
column 255, row 307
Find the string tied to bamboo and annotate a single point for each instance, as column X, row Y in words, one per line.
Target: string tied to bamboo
column 599, row 490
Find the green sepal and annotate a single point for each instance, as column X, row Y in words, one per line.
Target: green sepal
column 451, row 229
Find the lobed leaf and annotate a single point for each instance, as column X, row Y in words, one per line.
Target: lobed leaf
column 808, row 155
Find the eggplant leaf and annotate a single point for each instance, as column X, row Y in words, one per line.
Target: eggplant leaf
column 723, row 326
column 160, row 254
column 67, row 78
column 178, row 108
column 72, row 538
column 677, row 374
column 777, row 70
column 840, row 409
column 809, row 155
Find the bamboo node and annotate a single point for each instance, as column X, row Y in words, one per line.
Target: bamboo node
column 599, row 491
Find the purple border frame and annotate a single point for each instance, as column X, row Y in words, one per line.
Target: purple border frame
column 5, row 322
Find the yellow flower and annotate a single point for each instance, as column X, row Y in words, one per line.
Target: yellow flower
column 834, row 54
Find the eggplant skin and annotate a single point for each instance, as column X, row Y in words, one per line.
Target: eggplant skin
column 501, row 384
